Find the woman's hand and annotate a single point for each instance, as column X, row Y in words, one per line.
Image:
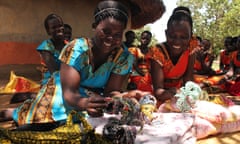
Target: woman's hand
column 95, row 105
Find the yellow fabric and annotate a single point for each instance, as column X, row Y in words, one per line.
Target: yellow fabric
column 19, row 84
column 68, row 133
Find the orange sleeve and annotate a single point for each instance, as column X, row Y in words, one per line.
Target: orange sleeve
column 157, row 55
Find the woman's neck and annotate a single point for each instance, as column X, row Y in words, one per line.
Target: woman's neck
column 58, row 44
column 144, row 49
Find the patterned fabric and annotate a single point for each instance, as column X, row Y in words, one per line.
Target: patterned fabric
column 46, row 107
column 198, row 65
column 172, row 73
column 166, row 128
column 143, row 83
column 47, row 45
column 225, row 59
column 49, row 105
column 236, row 62
column 120, row 62
column 169, row 128
column 70, row 52
column 68, row 133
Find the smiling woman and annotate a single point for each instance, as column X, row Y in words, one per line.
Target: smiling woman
column 172, row 61
column 91, row 68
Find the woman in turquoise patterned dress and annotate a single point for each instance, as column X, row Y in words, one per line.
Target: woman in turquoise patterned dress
column 50, row 49
column 92, row 71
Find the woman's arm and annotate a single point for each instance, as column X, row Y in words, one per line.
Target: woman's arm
column 114, row 85
column 188, row 76
column 160, row 93
column 70, row 80
column 49, row 61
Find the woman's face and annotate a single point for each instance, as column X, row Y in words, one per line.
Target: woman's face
column 145, row 39
column 67, row 34
column 108, row 34
column 56, row 29
column 206, row 44
column 178, row 35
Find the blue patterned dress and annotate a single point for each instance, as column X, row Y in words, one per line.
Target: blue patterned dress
column 49, row 105
column 47, row 45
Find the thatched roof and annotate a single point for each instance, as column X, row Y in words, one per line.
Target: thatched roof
column 144, row 11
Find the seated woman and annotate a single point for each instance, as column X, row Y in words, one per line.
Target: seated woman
column 85, row 82
column 172, row 61
column 233, row 74
column 50, row 49
column 203, row 71
column 204, row 60
column 226, row 55
column 141, row 68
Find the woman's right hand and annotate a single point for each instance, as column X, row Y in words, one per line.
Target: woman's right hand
column 95, row 105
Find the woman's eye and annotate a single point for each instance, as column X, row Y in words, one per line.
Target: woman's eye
column 106, row 32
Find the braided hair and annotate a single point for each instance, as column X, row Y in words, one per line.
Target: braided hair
column 114, row 9
column 181, row 13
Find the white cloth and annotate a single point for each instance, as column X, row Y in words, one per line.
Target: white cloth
column 166, row 128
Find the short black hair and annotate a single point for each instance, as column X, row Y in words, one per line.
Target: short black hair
column 50, row 17
column 147, row 32
column 67, row 26
column 129, row 33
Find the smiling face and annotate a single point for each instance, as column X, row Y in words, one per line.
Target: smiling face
column 178, row 35
column 55, row 29
column 108, row 34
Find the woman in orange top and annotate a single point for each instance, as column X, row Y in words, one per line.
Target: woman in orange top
column 141, row 69
column 233, row 74
column 235, row 63
column 172, row 61
column 226, row 54
column 204, row 60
